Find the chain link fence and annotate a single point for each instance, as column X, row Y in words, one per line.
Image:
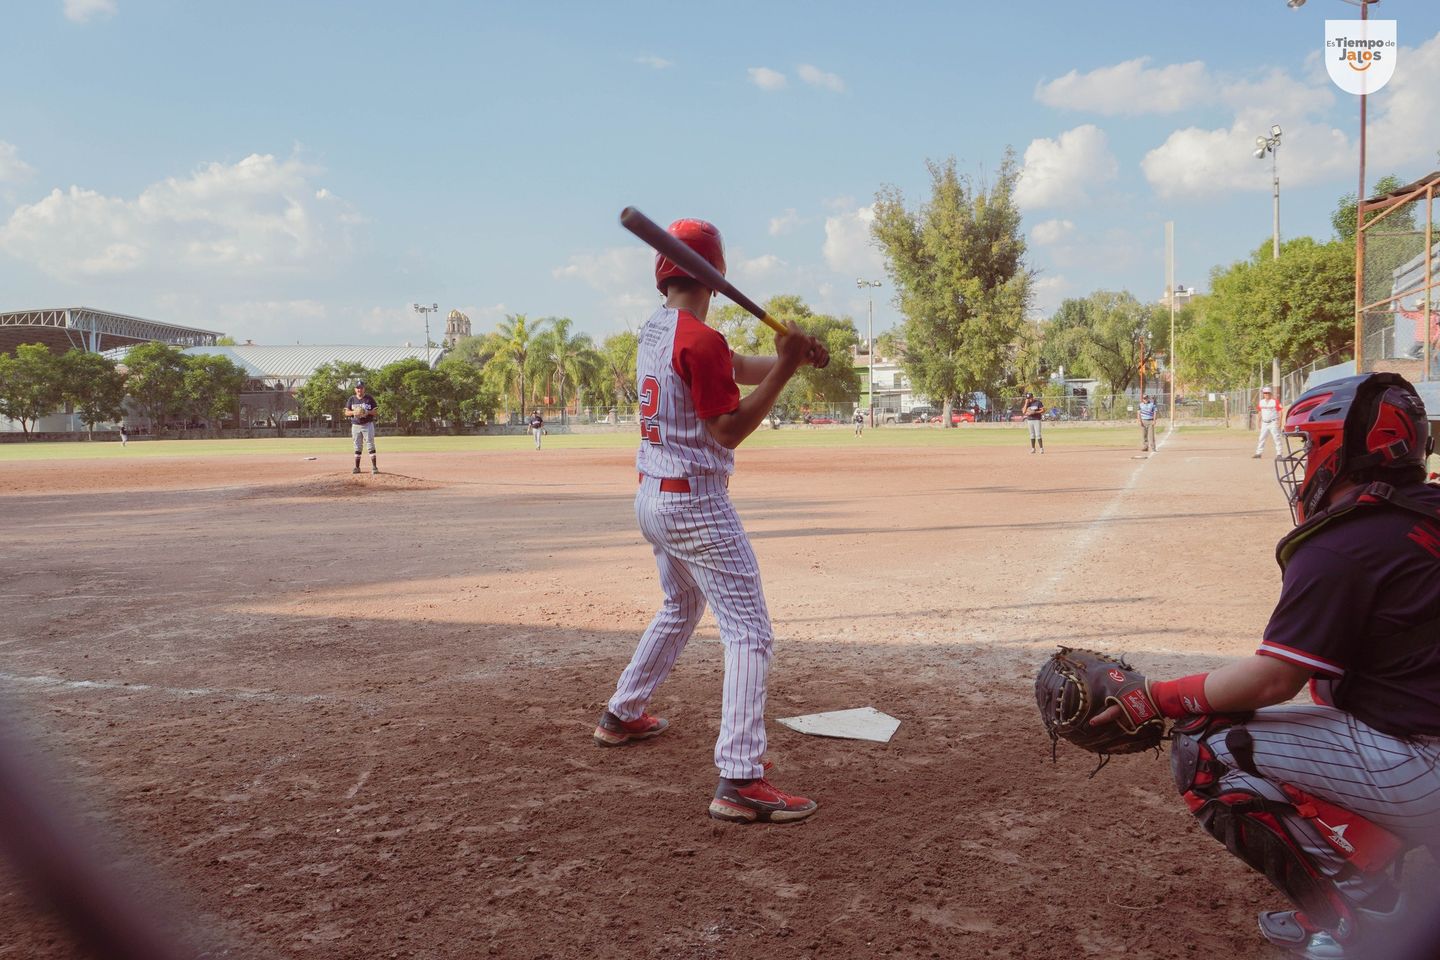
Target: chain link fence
column 1400, row 282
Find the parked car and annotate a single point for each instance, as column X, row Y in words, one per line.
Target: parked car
column 819, row 418
column 956, row 417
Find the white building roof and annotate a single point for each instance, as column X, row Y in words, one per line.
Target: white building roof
column 299, row 361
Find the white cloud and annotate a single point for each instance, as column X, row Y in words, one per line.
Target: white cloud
column 83, row 11
column 767, row 79
column 257, row 216
column 819, row 78
column 784, row 223
column 1131, row 87
column 12, row 168
column 1197, row 162
column 611, row 271
column 1059, row 171
column 1047, row 292
column 1404, row 130
column 753, row 272
column 623, row 276
column 848, row 248
column 659, row 63
column 1049, row 232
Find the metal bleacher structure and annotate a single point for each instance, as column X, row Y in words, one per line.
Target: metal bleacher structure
column 85, row 328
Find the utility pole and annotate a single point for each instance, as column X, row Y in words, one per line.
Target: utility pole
column 1170, row 295
column 870, row 338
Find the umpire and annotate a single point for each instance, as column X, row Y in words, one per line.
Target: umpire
column 361, row 411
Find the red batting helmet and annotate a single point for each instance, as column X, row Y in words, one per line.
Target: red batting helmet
column 698, row 235
column 1346, row 429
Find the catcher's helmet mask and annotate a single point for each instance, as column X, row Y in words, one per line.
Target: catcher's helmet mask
column 1348, row 429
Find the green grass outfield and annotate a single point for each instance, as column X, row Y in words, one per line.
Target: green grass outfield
column 984, row 435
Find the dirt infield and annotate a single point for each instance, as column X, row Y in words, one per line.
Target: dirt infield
column 350, row 717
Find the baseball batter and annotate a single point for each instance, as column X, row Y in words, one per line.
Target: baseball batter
column 361, row 411
column 692, row 417
column 1322, row 798
column 1269, row 409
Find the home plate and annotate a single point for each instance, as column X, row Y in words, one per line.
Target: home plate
column 863, row 723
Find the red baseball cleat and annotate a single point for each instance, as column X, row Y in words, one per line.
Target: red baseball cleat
column 758, row 801
column 613, row 732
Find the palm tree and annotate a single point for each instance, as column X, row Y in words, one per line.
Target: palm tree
column 514, row 358
column 565, row 359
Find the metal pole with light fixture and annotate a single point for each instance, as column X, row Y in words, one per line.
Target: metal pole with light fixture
column 1271, row 145
column 1364, row 6
column 870, row 337
column 420, row 308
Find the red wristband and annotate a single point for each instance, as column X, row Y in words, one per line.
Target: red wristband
column 1181, row 698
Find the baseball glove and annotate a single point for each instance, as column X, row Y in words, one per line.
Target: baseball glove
column 1074, row 686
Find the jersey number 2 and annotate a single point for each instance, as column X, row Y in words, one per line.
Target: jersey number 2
column 649, row 407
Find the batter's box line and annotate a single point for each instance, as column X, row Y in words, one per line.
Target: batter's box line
column 262, row 696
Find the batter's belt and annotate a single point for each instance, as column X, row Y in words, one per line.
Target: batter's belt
column 686, row 484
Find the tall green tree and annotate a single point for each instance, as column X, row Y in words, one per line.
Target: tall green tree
column 156, row 381
column 1063, row 338
column 1298, row 309
column 326, row 390
column 401, row 396
column 30, row 384
column 465, row 397
column 958, row 266
column 93, row 387
column 514, row 361
column 618, row 353
column 564, row 358
column 212, row 386
column 837, row 383
column 1119, row 328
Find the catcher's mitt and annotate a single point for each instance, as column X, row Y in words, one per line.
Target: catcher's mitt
column 1075, row 685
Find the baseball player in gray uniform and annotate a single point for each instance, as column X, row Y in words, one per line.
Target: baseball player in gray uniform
column 1323, row 798
column 361, row 411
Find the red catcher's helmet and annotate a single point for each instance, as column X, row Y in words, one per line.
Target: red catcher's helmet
column 698, row 235
column 1346, row 427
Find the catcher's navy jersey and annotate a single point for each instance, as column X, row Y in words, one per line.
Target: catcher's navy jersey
column 1348, row 588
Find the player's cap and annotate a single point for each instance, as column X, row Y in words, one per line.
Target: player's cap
column 1266, row 390
column 359, row 384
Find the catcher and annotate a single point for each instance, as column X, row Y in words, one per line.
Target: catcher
column 1321, row 798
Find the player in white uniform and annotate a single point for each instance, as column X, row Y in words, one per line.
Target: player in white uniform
column 1269, row 409
column 692, row 417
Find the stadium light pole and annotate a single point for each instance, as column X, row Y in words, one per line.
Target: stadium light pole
column 420, row 308
column 870, row 336
column 1271, row 145
column 1364, row 6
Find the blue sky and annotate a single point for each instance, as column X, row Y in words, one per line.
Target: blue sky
column 303, row 171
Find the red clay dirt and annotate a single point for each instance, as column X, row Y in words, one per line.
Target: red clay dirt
column 350, row 716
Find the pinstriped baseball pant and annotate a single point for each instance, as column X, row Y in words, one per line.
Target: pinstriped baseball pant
column 1329, row 753
column 704, row 557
